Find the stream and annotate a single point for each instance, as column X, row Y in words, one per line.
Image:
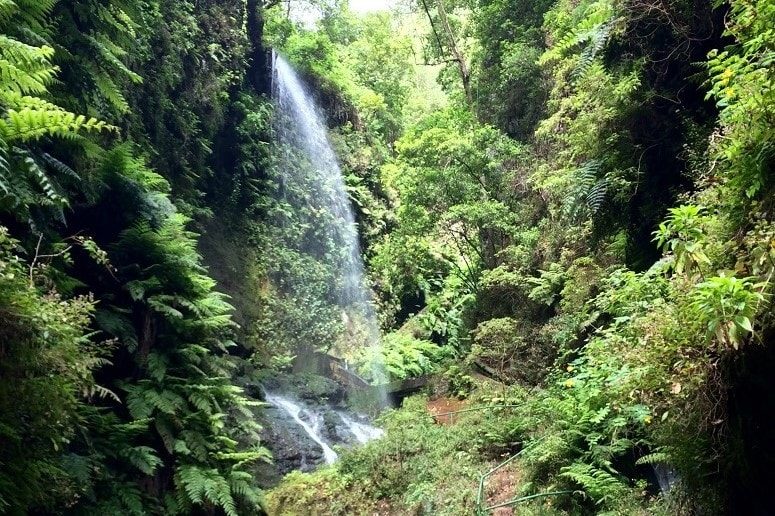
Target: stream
column 309, row 420
column 303, row 435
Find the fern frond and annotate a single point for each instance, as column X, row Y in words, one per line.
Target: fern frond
column 144, row 458
column 108, row 89
column 108, row 52
column 597, row 39
column 102, row 392
column 114, row 17
column 202, row 485
column 653, row 458
column 160, row 304
column 50, row 190
column 60, row 167
column 599, row 484
column 32, row 124
column 27, row 80
column 596, row 195
column 35, row 9
column 157, row 366
column 7, row 9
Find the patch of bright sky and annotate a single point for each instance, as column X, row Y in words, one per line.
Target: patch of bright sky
column 308, row 14
column 367, row 6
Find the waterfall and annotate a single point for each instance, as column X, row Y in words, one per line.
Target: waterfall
column 312, row 427
column 322, row 223
column 362, row 432
column 311, row 419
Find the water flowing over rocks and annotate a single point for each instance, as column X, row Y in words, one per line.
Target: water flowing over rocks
column 304, row 435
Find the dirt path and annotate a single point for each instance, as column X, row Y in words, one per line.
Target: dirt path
column 441, row 407
column 502, row 485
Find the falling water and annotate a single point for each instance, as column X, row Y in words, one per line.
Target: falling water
column 312, row 183
column 363, row 433
column 312, row 427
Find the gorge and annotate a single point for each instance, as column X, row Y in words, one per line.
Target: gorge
column 435, row 257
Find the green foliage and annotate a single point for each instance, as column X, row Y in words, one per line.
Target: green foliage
column 599, row 484
column 742, row 84
column 401, row 356
column 514, row 226
column 729, row 305
column 509, row 91
column 364, row 61
column 47, row 360
column 500, row 346
column 167, row 407
column 417, row 466
column 548, row 286
column 682, row 235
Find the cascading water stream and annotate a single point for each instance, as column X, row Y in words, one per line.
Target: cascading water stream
column 308, row 168
column 319, row 274
column 363, row 433
column 312, row 427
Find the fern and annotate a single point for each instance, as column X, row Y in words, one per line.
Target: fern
column 110, row 91
column 594, row 26
column 588, row 192
column 29, row 124
column 29, row 13
column 51, row 191
column 59, row 166
column 160, row 305
column 7, row 9
column 206, row 485
column 653, row 459
column 596, row 195
column 143, row 458
column 596, row 40
column 24, row 69
column 600, row 485
column 109, row 51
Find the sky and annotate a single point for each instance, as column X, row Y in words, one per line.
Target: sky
column 304, row 13
column 365, row 6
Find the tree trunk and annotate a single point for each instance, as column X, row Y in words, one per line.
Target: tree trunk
column 258, row 75
column 457, row 55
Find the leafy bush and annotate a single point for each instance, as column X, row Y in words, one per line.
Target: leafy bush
column 729, row 305
column 47, row 364
column 501, row 345
column 402, row 356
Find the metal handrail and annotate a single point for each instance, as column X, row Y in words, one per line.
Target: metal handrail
column 482, row 407
column 480, row 510
column 521, row 499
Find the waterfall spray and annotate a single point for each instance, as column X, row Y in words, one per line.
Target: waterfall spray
column 307, row 164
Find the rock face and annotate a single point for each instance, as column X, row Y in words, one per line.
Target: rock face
column 323, row 420
column 320, row 407
column 291, row 446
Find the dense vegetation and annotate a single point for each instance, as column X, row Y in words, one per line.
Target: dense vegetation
column 565, row 208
